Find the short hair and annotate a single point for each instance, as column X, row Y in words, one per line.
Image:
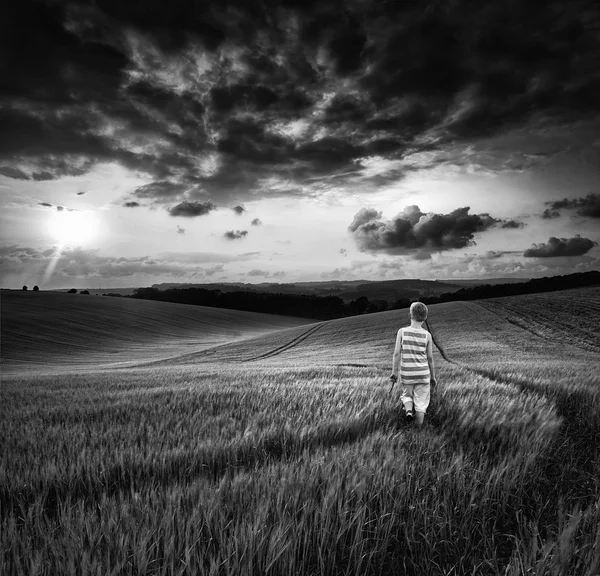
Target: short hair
column 418, row 311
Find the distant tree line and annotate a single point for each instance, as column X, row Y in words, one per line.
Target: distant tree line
column 546, row 284
column 305, row 306
column 330, row 307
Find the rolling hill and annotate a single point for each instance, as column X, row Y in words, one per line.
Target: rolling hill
column 44, row 329
column 468, row 332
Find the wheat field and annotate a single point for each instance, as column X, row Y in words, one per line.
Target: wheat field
column 285, row 452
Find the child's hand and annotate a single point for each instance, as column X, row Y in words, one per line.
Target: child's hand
column 433, row 382
column 394, row 378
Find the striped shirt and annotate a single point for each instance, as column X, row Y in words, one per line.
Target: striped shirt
column 414, row 367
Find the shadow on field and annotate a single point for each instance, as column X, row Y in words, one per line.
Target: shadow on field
column 209, row 461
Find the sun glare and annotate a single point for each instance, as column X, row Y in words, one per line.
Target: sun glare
column 73, row 227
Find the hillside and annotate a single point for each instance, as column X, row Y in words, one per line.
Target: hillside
column 41, row 329
column 468, row 332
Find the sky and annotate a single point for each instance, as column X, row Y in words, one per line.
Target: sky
column 297, row 140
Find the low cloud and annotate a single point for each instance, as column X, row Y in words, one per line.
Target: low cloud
column 131, row 204
column 512, row 224
column 46, row 204
column 239, row 210
column 257, row 273
column 191, row 209
column 235, row 235
column 343, row 252
column 256, row 222
column 81, row 193
column 416, row 232
column 588, row 206
column 549, row 214
column 279, row 274
column 555, row 247
column 60, row 208
column 180, row 230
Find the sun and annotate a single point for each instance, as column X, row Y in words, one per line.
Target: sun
column 73, row 227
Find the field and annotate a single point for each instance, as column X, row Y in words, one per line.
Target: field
column 285, row 453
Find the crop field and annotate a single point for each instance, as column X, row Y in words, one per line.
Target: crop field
column 285, row 453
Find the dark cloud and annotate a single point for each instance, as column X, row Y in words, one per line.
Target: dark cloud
column 549, row 214
column 413, row 231
column 239, row 210
column 131, row 204
column 257, row 273
column 234, row 100
column 180, row 230
column 235, row 234
column 279, row 274
column 560, row 247
column 81, row 193
column 14, row 173
column 60, row 208
column 191, row 209
column 588, row 206
column 512, row 224
column 47, row 204
column 256, row 222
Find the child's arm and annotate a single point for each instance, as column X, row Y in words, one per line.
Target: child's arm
column 430, row 359
column 396, row 357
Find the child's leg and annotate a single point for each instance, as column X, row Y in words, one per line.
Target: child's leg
column 407, row 397
column 422, row 395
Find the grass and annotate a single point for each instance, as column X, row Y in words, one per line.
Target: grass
column 297, row 461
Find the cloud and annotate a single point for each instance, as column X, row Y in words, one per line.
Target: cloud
column 47, row 204
column 512, row 224
column 60, row 208
column 73, row 264
column 239, row 210
column 14, row 173
column 555, row 247
column 588, row 206
column 235, row 235
column 413, row 231
column 256, row 222
column 549, row 214
column 343, row 252
column 279, row 274
column 180, row 230
column 131, row 204
column 81, row 193
column 257, row 273
column 191, row 209
column 215, row 102
column 161, row 190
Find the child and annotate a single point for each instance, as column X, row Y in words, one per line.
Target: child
column 414, row 355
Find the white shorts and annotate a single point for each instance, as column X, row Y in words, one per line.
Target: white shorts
column 418, row 394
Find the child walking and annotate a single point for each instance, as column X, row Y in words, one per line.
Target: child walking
column 413, row 355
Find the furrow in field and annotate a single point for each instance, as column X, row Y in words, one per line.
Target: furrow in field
column 289, row 345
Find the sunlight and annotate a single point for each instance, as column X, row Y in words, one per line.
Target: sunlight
column 69, row 227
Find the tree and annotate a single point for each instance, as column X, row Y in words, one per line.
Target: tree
column 85, row 292
column 24, row 287
column 36, row 288
column 72, row 291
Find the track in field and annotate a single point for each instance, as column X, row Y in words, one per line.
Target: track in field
column 291, row 344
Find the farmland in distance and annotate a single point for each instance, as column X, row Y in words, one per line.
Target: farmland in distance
column 285, row 453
